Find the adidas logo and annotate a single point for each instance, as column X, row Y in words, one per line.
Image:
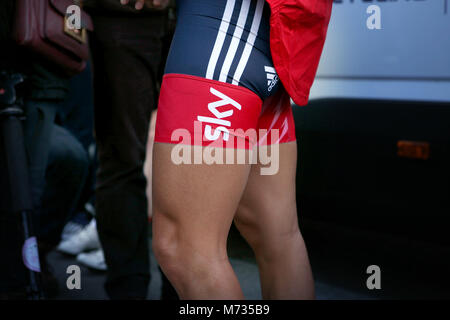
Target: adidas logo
column 272, row 77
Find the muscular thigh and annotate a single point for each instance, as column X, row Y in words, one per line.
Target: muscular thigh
column 195, row 203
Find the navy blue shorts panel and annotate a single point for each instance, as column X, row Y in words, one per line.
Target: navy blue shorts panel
column 227, row 41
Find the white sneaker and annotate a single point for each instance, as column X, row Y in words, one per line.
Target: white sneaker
column 70, row 229
column 86, row 239
column 94, row 259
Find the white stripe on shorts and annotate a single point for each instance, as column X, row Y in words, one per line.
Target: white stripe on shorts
column 250, row 42
column 221, row 34
column 243, row 15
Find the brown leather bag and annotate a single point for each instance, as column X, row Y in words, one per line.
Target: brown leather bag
column 40, row 25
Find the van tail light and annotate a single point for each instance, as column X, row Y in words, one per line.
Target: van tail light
column 413, row 149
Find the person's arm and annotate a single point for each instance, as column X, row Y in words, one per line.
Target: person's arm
column 155, row 4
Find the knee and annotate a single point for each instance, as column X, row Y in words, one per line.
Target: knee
column 164, row 249
column 182, row 254
column 80, row 160
column 67, row 153
column 265, row 237
column 174, row 259
column 249, row 229
column 165, row 245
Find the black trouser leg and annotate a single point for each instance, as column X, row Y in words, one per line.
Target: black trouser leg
column 126, row 55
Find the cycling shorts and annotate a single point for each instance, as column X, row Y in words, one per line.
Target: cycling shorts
column 220, row 87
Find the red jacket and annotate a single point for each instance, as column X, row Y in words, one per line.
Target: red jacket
column 297, row 35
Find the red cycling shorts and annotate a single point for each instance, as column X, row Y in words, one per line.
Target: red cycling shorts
column 202, row 112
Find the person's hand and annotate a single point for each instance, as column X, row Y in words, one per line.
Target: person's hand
column 153, row 4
